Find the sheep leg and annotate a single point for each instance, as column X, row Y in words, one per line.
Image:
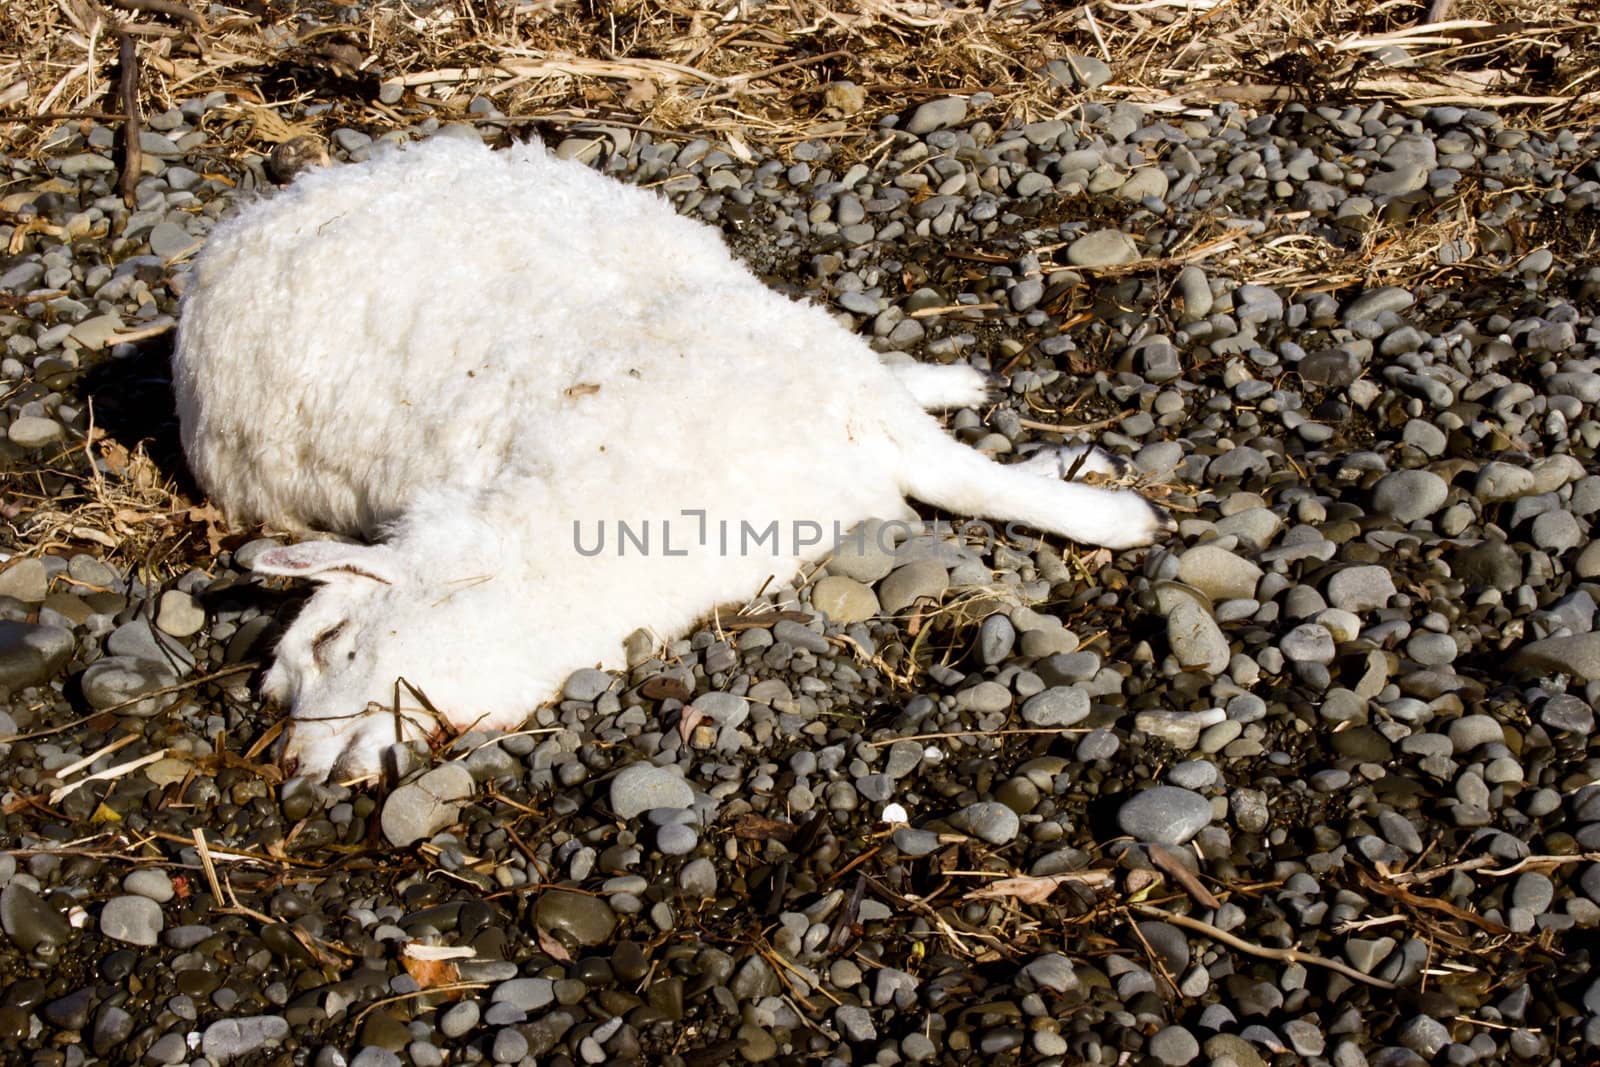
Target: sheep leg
column 940, row 471
column 938, row 388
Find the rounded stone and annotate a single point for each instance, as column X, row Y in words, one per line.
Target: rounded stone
column 642, row 787
column 844, row 599
column 135, row 920
column 923, row 579
column 588, row 919
column 1102, row 248
column 1218, row 573
column 1409, row 495
column 1164, row 815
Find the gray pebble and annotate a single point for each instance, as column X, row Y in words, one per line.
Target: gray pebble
column 1102, row 248
column 923, row 579
column 422, row 808
column 32, row 654
column 937, row 115
column 586, row 685
column 1173, row 1045
column 1361, row 588
column 642, row 787
column 988, row 821
column 135, row 920
column 31, row 431
column 1057, row 706
column 227, row 1038
column 1218, row 573
column 1469, row 731
column 1577, row 655
column 150, row 882
column 1164, row 814
column 1409, row 495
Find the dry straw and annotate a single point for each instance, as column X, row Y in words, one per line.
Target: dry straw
column 759, row 70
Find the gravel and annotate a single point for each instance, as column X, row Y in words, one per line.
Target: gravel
column 936, row 803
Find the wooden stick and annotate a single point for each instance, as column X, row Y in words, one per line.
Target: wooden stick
column 1284, row 955
column 132, row 157
column 164, row 7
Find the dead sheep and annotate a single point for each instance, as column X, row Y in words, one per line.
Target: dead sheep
column 483, row 360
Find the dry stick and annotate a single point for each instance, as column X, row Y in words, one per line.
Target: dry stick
column 132, row 157
column 1283, row 955
column 164, row 7
column 66, row 116
column 237, row 668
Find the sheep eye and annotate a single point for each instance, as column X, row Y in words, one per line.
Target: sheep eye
column 319, row 647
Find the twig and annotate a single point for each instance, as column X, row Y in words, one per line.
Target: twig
column 132, row 156
column 164, row 7
column 1073, row 427
column 210, row 868
column 237, row 668
column 1283, row 955
column 983, row 733
column 106, row 750
column 66, row 116
column 448, row 987
column 110, row 772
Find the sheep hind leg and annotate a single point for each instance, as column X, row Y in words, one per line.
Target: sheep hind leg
column 938, row 470
column 939, row 388
column 1074, row 461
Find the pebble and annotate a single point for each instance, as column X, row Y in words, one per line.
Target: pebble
column 227, row 1039
column 180, row 615
column 32, row 431
column 1577, row 655
column 1218, row 573
column 30, row 923
column 996, row 638
column 844, row 599
column 586, row 685
column 1364, row 587
column 937, row 115
column 1102, row 248
column 995, row 823
column 135, row 920
column 589, row 920
column 917, row 581
column 1196, row 639
column 1409, row 495
column 31, row 654
column 25, row 580
column 1058, row 706
column 419, row 809
column 1164, row 815
column 642, row 787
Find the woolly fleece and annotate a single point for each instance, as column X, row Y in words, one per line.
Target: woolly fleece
column 485, row 359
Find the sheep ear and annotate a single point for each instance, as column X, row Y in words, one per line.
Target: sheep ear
column 327, row 561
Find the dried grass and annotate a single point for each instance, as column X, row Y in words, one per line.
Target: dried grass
column 759, row 70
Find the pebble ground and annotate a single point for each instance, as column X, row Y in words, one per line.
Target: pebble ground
column 1311, row 782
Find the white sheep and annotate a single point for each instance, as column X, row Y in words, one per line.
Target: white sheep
column 491, row 359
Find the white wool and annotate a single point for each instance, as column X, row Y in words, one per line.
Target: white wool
column 487, row 359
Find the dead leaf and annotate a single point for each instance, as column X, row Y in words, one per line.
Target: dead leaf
column 1036, row 888
column 215, row 522
column 691, row 717
column 754, row 827
column 552, row 947
column 1182, row 875
column 640, row 92
column 430, row 973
